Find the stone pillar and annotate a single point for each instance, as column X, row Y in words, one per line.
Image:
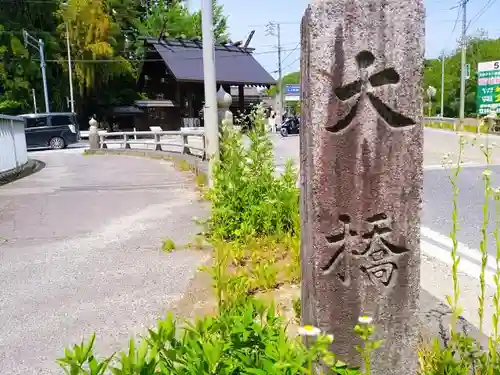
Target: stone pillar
column 93, row 135
column 224, row 101
column 361, row 174
column 491, row 121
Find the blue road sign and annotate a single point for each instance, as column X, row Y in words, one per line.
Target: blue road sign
column 292, row 90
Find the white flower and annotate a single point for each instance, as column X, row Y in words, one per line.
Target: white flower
column 365, row 319
column 330, row 338
column 487, row 172
column 309, row 330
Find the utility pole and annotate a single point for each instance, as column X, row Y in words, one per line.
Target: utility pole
column 442, row 84
column 34, row 100
column 280, row 74
column 274, row 28
column 70, row 67
column 70, row 72
column 462, row 70
column 38, row 44
column 211, row 116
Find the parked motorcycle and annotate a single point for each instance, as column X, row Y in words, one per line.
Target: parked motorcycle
column 291, row 125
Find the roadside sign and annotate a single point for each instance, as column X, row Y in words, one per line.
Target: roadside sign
column 488, row 87
column 292, row 92
column 467, row 71
column 292, row 89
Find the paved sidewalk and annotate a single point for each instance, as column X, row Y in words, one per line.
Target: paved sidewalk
column 81, row 253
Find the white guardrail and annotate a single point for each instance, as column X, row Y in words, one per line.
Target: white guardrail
column 477, row 125
column 13, row 150
column 185, row 141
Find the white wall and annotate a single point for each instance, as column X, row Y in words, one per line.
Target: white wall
column 13, row 152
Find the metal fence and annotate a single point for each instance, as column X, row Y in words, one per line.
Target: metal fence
column 13, row 151
column 186, row 141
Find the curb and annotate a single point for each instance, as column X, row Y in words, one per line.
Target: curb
column 30, row 167
column 197, row 165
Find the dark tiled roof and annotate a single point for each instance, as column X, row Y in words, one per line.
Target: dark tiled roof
column 233, row 65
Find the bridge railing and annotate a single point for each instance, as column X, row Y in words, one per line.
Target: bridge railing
column 475, row 125
column 185, row 141
column 13, row 150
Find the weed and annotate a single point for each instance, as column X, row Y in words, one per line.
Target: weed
column 297, row 308
column 168, row 245
column 198, row 242
column 201, row 180
column 453, row 301
column 462, row 355
column 365, row 330
column 484, row 234
column 182, row 165
column 247, row 199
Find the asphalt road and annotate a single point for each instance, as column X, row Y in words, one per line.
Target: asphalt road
column 80, row 253
column 437, row 205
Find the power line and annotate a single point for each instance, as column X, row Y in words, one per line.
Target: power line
column 293, row 62
column 292, row 51
column 481, row 12
column 454, row 26
column 276, row 22
column 125, row 59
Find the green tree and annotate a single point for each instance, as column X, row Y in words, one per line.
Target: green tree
column 173, row 18
column 95, row 38
column 288, row 79
column 479, row 49
column 104, row 39
column 19, row 66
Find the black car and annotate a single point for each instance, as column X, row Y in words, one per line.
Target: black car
column 54, row 130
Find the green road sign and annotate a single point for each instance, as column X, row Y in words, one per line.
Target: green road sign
column 488, row 87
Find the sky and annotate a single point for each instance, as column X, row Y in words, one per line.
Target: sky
column 442, row 26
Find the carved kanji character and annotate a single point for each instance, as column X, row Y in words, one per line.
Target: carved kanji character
column 363, row 88
column 372, row 247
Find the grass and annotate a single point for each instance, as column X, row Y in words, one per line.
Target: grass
column 448, row 126
column 168, row 245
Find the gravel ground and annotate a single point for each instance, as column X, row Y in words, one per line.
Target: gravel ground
column 80, row 253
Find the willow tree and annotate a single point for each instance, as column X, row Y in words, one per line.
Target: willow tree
column 95, row 50
column 92, row 37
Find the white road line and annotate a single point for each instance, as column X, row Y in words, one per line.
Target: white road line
column 465, row 266
column 439, row 166
column 470, row 259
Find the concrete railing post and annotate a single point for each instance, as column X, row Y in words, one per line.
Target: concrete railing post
column 102, row 142
column 157, row 142
column 185, row 148
column 125, row 141
column 224, row 101
column 491, row 118
column 204, row 146
column 93, row 135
